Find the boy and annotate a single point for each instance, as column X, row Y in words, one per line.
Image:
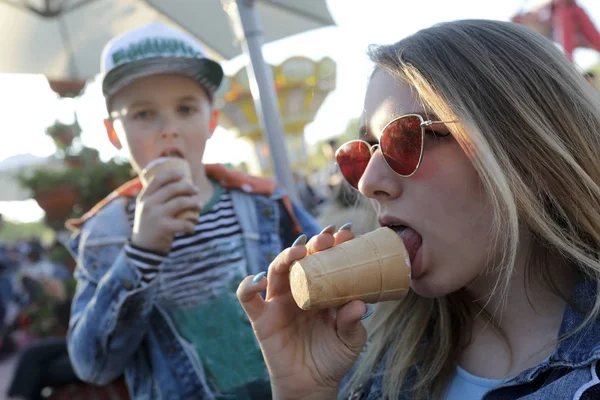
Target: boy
column 156, row 294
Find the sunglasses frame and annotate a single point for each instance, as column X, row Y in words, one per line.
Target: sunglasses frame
column 373, row 148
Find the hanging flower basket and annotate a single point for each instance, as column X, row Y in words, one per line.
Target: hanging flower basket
column 67, row 88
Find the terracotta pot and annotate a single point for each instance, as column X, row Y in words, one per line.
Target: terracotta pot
column 58, row 201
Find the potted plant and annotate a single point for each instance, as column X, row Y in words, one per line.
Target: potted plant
column 56, row 191
column 63, row 134
column 78, row 180
column 82, row 158
column 101, row 179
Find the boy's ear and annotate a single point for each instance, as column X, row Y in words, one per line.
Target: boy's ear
column 214, row 121
column 112, row 135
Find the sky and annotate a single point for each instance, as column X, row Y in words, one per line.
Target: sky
column 29, row 106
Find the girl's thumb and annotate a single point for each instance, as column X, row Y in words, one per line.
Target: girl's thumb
column 350, row 329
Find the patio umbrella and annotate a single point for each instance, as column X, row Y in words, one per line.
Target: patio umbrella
column 63, row 40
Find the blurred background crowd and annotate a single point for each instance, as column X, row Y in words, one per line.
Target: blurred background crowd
column 55, row 162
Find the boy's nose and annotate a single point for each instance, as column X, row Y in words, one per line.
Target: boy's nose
column 169, row 134
column 169, row 128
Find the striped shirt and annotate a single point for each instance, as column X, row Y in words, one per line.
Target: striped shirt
column 196, row 284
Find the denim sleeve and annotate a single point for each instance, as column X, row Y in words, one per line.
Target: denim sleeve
column 310, row 227
column 109, row 314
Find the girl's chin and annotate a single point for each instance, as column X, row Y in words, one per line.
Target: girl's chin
column 429, row 287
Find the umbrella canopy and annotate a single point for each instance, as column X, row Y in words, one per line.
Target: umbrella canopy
column 63, row 39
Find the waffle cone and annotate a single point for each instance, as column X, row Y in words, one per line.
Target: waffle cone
column 373, row 267
column 167, row 164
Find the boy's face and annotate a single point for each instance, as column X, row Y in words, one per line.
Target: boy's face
column 161, row 115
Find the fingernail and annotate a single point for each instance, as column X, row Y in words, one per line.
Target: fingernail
column 346, row 226
column 301, row 240
column 259, row 276
column 329, row 229
column 370, row 310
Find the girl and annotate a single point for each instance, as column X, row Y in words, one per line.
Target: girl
column 481, row 148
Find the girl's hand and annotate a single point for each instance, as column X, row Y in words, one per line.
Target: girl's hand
column 308, row 353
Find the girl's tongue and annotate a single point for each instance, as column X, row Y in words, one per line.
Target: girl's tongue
column 412, row 241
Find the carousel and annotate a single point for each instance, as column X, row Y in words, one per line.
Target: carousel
column 301, row 85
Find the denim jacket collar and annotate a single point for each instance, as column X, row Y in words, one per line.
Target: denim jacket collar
column 578, row 351
column 582, row 348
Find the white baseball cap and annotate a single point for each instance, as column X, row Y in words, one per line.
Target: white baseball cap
column 154, row 49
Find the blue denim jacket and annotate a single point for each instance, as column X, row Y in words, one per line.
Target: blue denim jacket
column 117, row 327
column 571, row 372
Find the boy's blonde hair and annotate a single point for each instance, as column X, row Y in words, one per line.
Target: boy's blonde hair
column 530, row 125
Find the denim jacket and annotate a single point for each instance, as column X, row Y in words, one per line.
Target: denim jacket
column 116, row 326
column 571, row 372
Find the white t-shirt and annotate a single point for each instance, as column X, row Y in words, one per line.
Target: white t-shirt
column 465, row 386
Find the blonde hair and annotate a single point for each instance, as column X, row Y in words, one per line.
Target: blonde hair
column 530, row 125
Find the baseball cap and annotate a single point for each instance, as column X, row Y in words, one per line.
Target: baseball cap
column 154, row 49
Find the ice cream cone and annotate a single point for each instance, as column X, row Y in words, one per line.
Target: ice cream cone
column 166, row 164
column 373, row 267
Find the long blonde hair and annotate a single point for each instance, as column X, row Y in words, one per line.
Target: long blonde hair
column 530, row 125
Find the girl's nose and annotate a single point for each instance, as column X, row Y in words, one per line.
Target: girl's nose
column 379, row 181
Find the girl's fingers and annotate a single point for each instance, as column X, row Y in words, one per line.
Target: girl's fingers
column 248, row 294
column 320, row 242
column 343, row 235
column 279, row 270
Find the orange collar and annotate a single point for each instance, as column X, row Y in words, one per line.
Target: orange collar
column 227, row 178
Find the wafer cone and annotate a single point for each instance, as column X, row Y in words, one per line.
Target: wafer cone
column 166, row 164
column 373, row 267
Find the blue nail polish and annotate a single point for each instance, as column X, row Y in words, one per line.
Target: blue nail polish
column 329, row 229
column 347, row 226
column 301, row 240
column 259, row 276
column 370, row 310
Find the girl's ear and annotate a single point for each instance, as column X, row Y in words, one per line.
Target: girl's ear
column 112, row 135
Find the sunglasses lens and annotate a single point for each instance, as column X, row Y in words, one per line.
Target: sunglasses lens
column 402, row 143
column 352, row 158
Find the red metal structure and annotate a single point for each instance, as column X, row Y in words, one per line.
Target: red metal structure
column 563, row 21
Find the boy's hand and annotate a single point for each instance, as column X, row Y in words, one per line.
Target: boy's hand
column 165, row 196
